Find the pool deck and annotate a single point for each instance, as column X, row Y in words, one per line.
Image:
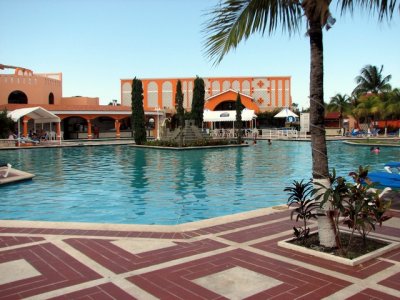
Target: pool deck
column 231, row 257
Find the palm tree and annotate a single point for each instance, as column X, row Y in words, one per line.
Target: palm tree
column 369, row 107
column 231, row 21
column 372, row 81
column 295, row 108
column 342, row 104
column 392, row 104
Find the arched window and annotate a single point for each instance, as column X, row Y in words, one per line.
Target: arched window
column 51, row 98
column 152, row 94
column 17, row 97
column 167, row 94
column 127, row 93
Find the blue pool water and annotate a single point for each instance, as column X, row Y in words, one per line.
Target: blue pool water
column 122, row 184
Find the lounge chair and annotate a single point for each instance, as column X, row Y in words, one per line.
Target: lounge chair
column 375, row 132
column 3, row 167
column 356, row 133
column 25, row 140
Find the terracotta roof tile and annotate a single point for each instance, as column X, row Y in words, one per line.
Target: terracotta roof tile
column 332, row 115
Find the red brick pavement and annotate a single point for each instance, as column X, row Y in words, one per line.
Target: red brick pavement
column 86, row 264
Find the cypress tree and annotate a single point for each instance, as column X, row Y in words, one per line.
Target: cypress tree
column 138, row 120
column 179, row 110
column 238, row 123
column 198, row 101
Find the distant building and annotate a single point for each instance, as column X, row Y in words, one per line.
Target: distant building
column 24, row 88
column 264, row 93
column 79, row 115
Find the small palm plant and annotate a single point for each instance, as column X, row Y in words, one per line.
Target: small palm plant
column 357, row 205
column 300, row 196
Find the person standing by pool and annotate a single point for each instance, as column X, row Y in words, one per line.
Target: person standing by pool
column 255, row 133
column 96, row 132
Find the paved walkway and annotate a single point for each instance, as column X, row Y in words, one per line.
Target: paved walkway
column 71, row 143
column 232, row 257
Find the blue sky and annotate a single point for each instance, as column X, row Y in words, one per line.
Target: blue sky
column 97, row 43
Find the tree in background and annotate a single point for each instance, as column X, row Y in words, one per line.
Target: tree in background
column 266, row 119
column 341, row 104
column 295, row 108
column 391, row 102
column 138, row 120
column 198, row 101
column 238, row 123
column 232, row 21
column 371, row 80
column 369, row 107
column 6, row 125
column 179, row 110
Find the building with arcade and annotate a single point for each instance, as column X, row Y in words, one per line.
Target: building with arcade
column 80, row 116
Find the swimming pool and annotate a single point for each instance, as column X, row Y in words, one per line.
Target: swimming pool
column 122, row 184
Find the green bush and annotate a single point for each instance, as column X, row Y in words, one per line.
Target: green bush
column 6, row 125
column 301, row 197
column 353, row 204
column 356, row 205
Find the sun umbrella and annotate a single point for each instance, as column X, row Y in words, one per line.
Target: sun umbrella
column 285, row 113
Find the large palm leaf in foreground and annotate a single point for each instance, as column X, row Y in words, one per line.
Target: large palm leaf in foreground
column 231, row 21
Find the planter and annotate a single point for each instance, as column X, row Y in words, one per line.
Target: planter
column 346, row 261
column 189, row 148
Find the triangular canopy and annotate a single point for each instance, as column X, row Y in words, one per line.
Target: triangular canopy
column 227, row 115
column 286, row 112
column 39, row 114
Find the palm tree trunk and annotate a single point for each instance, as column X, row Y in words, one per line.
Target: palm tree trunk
column 320, row 170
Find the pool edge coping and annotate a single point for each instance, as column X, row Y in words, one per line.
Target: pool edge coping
column 142, row 227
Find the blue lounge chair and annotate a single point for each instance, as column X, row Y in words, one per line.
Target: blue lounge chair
column 390, row 178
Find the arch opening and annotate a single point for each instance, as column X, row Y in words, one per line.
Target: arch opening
column 17, row 97
column 51, row 98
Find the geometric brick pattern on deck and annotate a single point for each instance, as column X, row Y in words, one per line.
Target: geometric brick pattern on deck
column 239, row 258
column 179, row 281
column 57, row 269
column 118, row 260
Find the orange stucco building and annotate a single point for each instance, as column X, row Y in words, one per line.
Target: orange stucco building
column 23, row 86
column 264, row 93
column 81, row 115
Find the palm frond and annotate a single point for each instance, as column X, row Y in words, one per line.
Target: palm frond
column 232, row 21
column 384, row 8
column 371, row 80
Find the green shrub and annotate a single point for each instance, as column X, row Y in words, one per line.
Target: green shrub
column 6, row 125
column 356, row 205
column 301, row 196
